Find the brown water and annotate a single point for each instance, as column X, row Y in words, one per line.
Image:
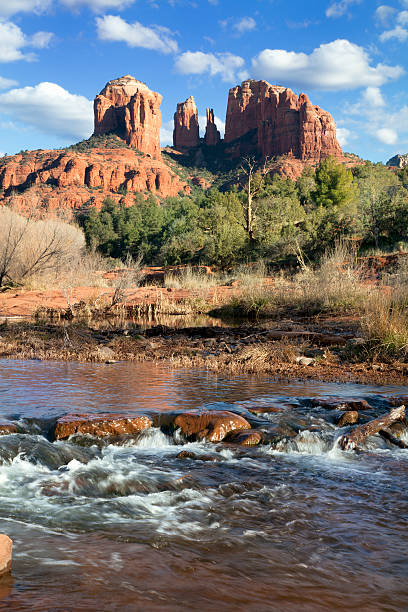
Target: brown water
column 131, row 527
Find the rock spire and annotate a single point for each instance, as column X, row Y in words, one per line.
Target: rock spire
column 212, row 135
column 186, row 131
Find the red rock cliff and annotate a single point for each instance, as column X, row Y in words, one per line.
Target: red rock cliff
column 212, row 135
column 132, row 110
column 186, row 131
column 275, row 121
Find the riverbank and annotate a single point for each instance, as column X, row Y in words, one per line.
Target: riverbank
column 329, row 350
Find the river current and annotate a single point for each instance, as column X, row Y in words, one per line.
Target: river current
column 130, row 526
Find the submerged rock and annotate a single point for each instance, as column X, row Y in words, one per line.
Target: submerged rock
column 6, row 548
column 213, row 425
column 349, row 417
column 100, row 425
column 245, row 437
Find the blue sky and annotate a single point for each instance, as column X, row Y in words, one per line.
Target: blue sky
column 349, row 56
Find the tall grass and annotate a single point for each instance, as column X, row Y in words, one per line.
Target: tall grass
column 385, row 324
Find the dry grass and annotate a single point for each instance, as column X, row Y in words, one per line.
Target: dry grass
column 385, row 324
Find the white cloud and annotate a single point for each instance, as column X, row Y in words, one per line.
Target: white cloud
column 246, row 24
column 333, row 66
column 98, row 6
column 338, row 9
column 373, row 97
column 403, row 18
column 13, row 40
column 398, row 32
column 12, row 7
column 387, row 136
column 197, row 62
column 343, row 136
column 6, row 83
column 50, row 109
column 385, row 13
column 115, row 29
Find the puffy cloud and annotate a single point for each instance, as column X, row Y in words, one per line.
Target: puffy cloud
column 50, row 109
column 245, row 25
column 6, row 83
column 333, row 66
column 13, row 40
column 343, row 136
column 338, row 9
column 196, row 62
column 385, row 13
column 387, row 136
column 398, row 32
column 12, row 7
column 97, row 5
column 373, row 97
column 115, row 29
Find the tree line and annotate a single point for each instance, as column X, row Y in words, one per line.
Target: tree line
column 264, row 216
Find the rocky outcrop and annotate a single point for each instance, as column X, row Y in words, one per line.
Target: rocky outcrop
column 7, row 428
column 6, row 549
column 273, row 121
column 129, row 108
column 212, row 136
column 70, row 178
column 186, row 130
column 398, row 161
column 100, row 425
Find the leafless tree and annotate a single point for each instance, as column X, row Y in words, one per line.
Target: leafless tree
column 254, row 181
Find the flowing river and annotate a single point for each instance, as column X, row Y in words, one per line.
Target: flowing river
column 130, row 526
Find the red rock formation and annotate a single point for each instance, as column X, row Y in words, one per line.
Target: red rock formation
column 69, row 178
column 6, row 547
column 100, row 425
column 212, row 135
column 129, row 108
column 273, row 121
column 186, row 131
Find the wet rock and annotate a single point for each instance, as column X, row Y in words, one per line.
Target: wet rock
column 245, row 437
column 348, row 418
column 7, row 428
column 6, row 548
column 101, row 425
column 213, row 425
column 186, row 455
column 338, row 403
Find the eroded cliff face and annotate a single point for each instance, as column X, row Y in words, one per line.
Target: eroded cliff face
column 69, row 179
column 273, row 121
column 186, row 130
column 129, row 108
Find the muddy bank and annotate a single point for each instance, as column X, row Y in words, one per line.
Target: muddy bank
column 329, row 351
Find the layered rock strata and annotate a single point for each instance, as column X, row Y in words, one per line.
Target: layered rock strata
column 272, row 121
column 69, row 179
column 212, row 136
column 186, row 130
column 129, row 108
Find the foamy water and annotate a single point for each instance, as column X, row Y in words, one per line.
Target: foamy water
column 297, row 525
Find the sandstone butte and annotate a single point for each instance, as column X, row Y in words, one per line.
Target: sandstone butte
column 262, row 119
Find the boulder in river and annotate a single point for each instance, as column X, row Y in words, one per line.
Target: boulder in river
column 6, row 547
column 7, row 428
column 213, row 425
column 100, row 425
column 245, row 437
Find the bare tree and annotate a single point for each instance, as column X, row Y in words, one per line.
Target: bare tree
column 255, row 175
